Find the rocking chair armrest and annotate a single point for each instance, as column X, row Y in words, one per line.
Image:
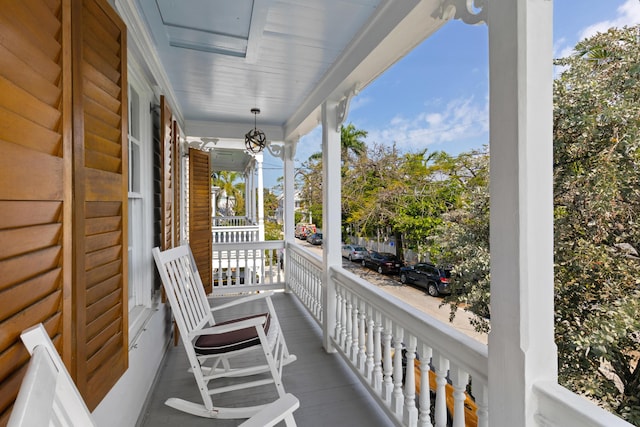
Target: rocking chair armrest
column 242, row 300
column 230, row 327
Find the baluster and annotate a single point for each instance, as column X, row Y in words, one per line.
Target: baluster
column 348, row 338
column 410, row 411
column 369, row 347
column 377, row 355
column 481, row 394
column 425, row 387
column 386, row 363
column 343, row 315
column 398, row 398
column 441, row 366
column 362, row 356
column 459, row 380
column 355, row 334
column 337, row 335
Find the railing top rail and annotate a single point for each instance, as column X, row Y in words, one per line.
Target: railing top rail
column 310, row 256
column 234, row 227
column 267, row 244
column 562, row 407
column 451, row 343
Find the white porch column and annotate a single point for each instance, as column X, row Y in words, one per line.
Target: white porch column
column 260, row 201
column 331, row 215
column 249, row 186
column 289, row 190
column 522, row 350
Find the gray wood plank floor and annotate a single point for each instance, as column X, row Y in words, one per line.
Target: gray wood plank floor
column 330, row 395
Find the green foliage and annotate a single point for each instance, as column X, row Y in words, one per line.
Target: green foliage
column 597, row 229
column 596, row 208
column 273, row 231
column 232, row 189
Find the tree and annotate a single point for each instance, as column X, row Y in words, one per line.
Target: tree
column 228, row 182
column 462, row 238
column 352, row 143
column 597, row 229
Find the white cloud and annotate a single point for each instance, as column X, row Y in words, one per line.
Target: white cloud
column 460, row 120
column 627, row 14
column 358, row 102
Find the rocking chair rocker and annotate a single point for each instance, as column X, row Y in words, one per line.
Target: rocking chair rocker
column 211, row 346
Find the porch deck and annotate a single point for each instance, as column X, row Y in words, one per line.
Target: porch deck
column 329, row 393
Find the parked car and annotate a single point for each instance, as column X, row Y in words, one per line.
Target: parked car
column 315, row 239
column 382, row 262
column 428, row 276
column 354, row 252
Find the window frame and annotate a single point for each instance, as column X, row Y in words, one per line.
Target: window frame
column 142, row 296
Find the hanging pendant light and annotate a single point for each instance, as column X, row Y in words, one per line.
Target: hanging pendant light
column 255, row 140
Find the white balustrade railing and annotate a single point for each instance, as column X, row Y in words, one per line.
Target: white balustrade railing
column 397, row 349
column 235, row 234
column 231, row 221
column 304, row 278
column 244, row 267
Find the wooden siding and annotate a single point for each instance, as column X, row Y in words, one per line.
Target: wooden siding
column 35, row 220
column 100, row 191
column 200, row 214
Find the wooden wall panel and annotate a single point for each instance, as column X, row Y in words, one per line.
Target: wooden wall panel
column 100, row 226
column 200, row 238
column 35, row 165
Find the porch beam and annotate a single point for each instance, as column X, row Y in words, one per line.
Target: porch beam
column 522, row 350
column 331, row 216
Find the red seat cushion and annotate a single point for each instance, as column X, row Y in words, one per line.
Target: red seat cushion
column 230, row 341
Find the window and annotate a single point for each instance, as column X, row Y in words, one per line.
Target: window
column 140, row 275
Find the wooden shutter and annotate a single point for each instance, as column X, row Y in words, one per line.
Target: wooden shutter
column 166, row 138
column 35, row 165
column 200, row 214
column 64, row 156
column 100, row 194
column 175, row 145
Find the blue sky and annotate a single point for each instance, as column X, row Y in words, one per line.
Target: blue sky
column 437, row 96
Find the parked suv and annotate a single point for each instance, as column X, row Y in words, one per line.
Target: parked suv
column 382, row 262
column 426, row 275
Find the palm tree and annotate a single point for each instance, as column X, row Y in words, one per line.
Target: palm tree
column 227, row 182
column 352, row 143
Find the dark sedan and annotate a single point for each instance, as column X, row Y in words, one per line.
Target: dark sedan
column 315, row 238
column 382, row 262
column 426, row 275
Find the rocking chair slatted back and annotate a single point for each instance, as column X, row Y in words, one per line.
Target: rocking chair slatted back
column 184, row 289
column 47, row 394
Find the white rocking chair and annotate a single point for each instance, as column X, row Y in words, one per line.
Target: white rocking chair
column 48, row 395
column 211, row 346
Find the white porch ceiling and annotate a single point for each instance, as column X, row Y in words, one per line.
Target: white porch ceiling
column 223, row 57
